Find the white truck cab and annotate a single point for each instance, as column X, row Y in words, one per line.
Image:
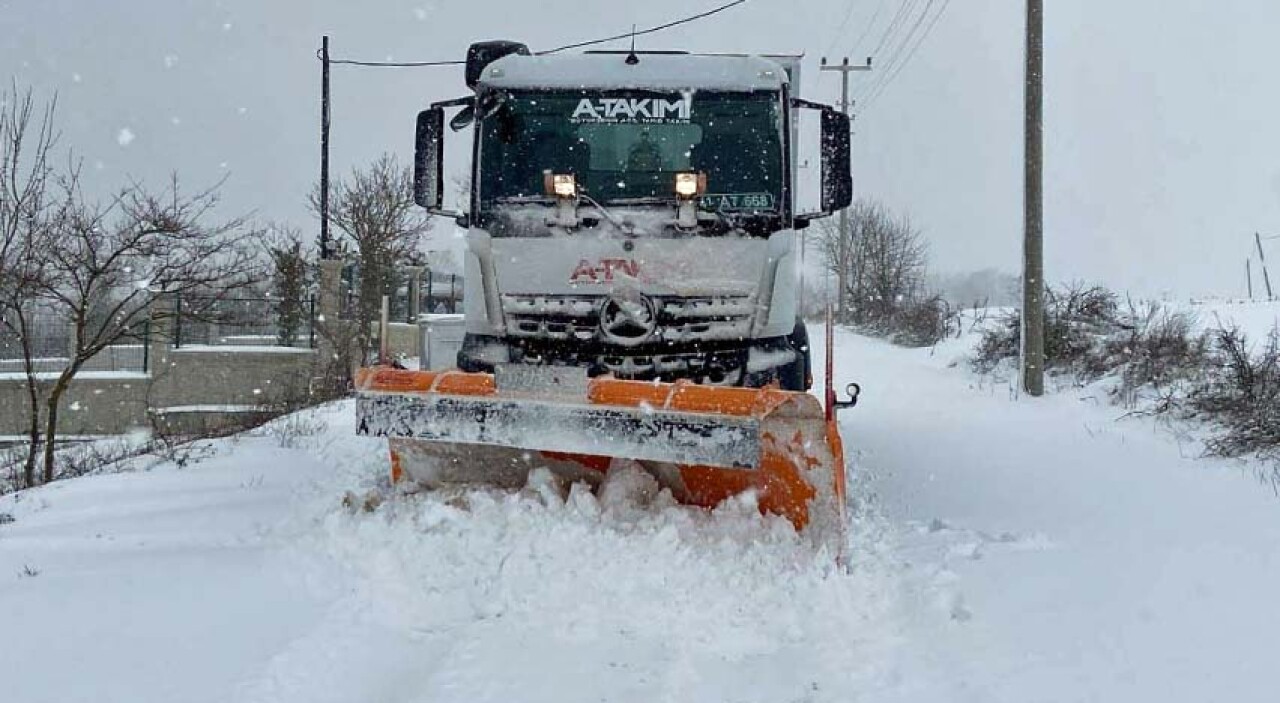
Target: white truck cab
column 633, row 213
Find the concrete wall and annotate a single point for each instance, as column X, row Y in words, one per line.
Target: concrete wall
column 122, row 357
column 203, row 385
column 189, row 387
column 96, row 404
column 229, row 376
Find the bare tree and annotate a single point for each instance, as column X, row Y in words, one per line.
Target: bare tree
column 374, row 208
column 883, row 257
column 114, row 259
column 28, row 209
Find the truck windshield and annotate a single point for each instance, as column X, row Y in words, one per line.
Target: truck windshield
column 627, row 145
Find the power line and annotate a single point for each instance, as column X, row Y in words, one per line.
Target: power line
column 910, row 34
column 873, row 96
column 642, row 32
column 914, row 40
column 895, row 45
column 888, row 39
column 866, row 29
column 577, row 45
column 848, row 14
column 894, row 23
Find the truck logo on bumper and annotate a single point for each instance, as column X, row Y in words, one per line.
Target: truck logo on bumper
column 604, row 271
column 628, row 320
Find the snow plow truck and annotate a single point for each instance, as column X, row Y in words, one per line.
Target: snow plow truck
column 631, row 282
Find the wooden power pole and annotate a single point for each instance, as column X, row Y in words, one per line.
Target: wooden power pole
column 1262, row 260
column 1033, row 208
column 324, row 147
column 843, row 245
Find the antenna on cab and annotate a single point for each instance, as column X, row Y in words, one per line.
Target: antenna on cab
column 632, row 59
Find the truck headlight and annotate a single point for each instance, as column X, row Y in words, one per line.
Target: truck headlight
column 690, row 184
column 561, row 185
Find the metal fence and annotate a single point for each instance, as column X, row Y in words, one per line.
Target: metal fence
column 52, row 339
column 440, row 293
column 436, row 293
column 243, row 322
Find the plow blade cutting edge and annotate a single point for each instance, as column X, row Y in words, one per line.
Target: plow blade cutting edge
column 703, row 443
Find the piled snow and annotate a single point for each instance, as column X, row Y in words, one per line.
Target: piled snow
column 1054, row 552
column 534, row 597
column 277, row 592
column 1004, row 549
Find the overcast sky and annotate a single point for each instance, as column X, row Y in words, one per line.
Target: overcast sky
column 1163, row 154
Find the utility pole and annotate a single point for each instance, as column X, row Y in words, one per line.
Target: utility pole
column 844, row 68
column 1262, row 260
column 1248, row 275
column 1033, row 207
column 324, row 147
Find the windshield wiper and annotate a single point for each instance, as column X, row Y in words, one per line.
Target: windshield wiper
column 643, row 200
column 548, row 200
column 627, row 229
column 524, row 199
column 608, row 215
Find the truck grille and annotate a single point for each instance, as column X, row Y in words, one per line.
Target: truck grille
column 577, row 318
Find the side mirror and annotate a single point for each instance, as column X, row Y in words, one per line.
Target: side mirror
column 837, row 182
column 833, row 145
column 481, row 54
column 428, row 161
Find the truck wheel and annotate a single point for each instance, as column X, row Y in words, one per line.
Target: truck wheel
column 797, row 375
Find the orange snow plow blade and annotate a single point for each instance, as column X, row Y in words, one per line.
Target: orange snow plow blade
column 704, row 443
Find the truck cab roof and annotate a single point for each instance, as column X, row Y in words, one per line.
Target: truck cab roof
column 665, row 71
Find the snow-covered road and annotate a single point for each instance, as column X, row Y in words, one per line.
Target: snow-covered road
column 1006, row 550
column 1078, row 557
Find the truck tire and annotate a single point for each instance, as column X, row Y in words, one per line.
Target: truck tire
column 797, row 375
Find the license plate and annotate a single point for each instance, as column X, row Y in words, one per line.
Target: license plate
column 737, row 201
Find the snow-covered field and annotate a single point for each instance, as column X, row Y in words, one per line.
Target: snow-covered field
column 1255, row 317
column 1005, row 550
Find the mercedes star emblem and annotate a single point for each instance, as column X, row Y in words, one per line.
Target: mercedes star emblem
column 628, row 320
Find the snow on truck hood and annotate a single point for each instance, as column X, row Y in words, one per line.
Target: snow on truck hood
column 657, row 71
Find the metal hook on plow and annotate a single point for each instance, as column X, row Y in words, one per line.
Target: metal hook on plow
column 853, row 390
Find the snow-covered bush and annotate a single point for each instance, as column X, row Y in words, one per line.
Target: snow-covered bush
column 1078, row 322
column 1157, row 348
column 1162, row 363
column 1241, row 391
column 922, row 323
column 1089, row 335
